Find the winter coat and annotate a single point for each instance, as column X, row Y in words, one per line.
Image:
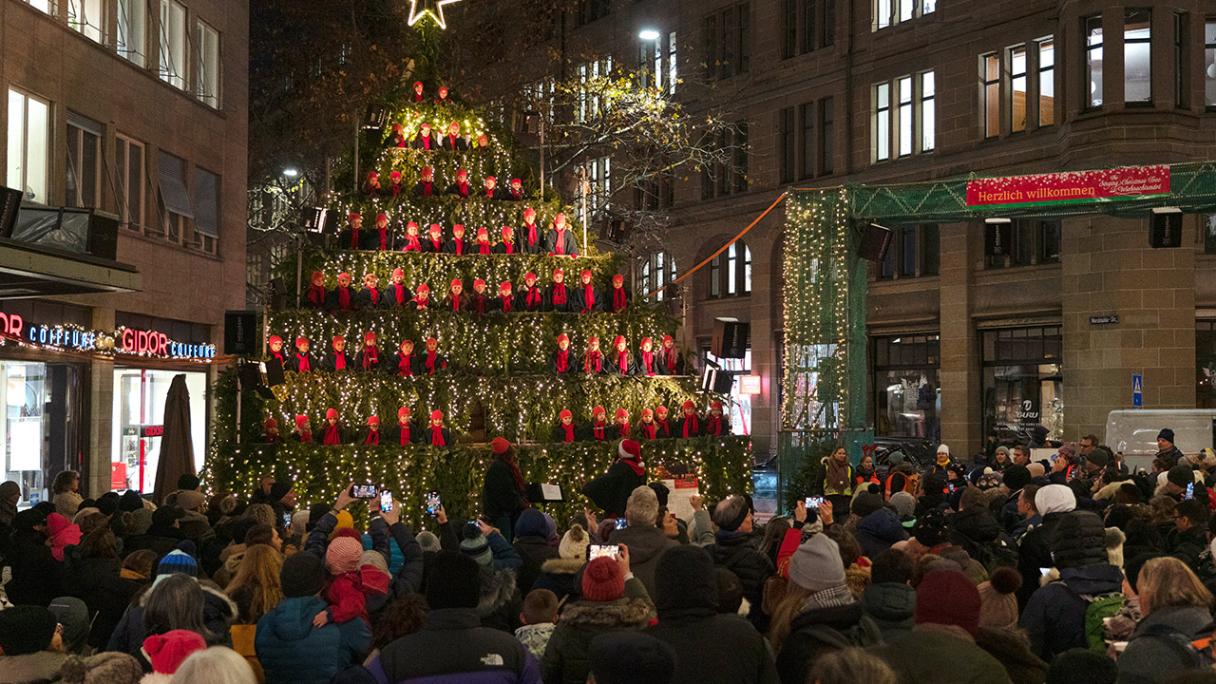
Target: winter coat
column 566, row 659
column 891, row 606
column 1034, row 552
column 981, row 536
column 291, row 650
column 819, row 631
column 36, row 576
column 713, row 647
column 218, row 613
column 501, row 601
column 611, row 490
column 735, row 553
column 1154, row 652
column 1188, row 546
column 1012, row 649
column 646, row 543
column 499, row 497
column 32, row 668
column 67, row 503
column 534, row 551
column 1055, row 616
column 452, row 648
column 97, row 582
column 558, row 575
column 878, row 531
column 942, row 655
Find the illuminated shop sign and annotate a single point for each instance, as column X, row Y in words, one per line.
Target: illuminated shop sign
column 125, row 341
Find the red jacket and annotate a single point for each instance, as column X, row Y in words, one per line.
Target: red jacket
column 347, row 593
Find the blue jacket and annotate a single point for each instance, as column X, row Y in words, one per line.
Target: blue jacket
column 292, row 651
column 1054, row 618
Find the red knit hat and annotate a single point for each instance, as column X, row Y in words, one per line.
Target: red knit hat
column 564, row 413
column 403, row 411
column 622, row 413
column 602, row 580
column 500, row 445
column 168, row 651
column 947, row 597
column 331, row 413
column 373, row 420
column 342, row 555
column 301, row 421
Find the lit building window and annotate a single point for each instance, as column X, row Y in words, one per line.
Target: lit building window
column 173, row 43
column 207, row 65
column 29, row 139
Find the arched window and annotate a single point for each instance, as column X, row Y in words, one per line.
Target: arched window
column 655, row 272
column 730, row 273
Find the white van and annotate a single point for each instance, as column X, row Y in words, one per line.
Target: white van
column 1134, row 432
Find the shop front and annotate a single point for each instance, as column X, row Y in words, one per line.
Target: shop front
column 907, row 394
column 1023, row 385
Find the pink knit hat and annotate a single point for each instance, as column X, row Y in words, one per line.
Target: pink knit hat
column 343, row 555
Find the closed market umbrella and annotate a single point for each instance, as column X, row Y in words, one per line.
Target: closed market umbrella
column 176, row 445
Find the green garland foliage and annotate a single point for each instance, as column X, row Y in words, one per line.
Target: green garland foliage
column 319, row 473
column 494, row 345
column 437, row 270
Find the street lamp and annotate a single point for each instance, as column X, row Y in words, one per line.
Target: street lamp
column 649, row 34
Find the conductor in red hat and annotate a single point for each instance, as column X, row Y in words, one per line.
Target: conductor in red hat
column 611, row 490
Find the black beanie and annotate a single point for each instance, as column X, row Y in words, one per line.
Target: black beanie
column 1015, row 477
column 26, row 629
column 188, row 481
column 866, row 503
column 684, row 578
column 108, row 503
column 453, row 581
column 1079, row 539
column 303, row 574
column 1082, row 666
column 628, row 657
column 131, row 501
column 930, row 529
column 1181, row 475
column 279, row 490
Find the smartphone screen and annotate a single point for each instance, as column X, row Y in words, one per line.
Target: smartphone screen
column 386, row 501
column 363, row 491
column 597, row 550
column 286, row 520
column 1044, row 571
column 432, row 503
column 621, row 523
column 1190, row 491
column 814, row 501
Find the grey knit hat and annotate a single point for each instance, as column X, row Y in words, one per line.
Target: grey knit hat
column 816, row 565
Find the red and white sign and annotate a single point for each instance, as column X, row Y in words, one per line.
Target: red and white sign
column 145, row 342
column 1070, row 187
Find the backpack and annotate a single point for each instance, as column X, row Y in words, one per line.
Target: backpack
column 1097, row 610
column 1196, row 651
column 864, row 634
column 1000, row 552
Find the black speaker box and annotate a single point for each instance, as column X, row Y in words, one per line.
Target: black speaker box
column 730, row 339
column 241, row 333
column 103, row 236
column 1165, row 230
column 875, row 240
column 998, row 238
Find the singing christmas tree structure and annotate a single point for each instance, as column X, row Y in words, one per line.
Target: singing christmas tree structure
column 450, row 306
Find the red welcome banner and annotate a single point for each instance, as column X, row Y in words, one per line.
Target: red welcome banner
column 1070, row 187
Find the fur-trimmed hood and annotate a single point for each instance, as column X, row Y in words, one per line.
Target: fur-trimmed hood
column 563, row 566
column 497, row 589
column 627, row 613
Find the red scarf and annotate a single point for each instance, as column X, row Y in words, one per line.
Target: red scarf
column 340, row 361
column 399, row 293
column 489, row 194
column 618, row 298
column 462, row 189
column 396, row 188
column 569, row 432
column 306, row 436
column 593, row 362
column 412, row 244
column 422, row 303
column 405, row 435
column 432, row 359
column 637, row 467
column 354, row 238
column 650, row 430
column 664, row 427
column 531, row 238
column 508, row 247
column 278, row 356
column 479, row 303
column 374, row 294
column 559, row 294
column 588, row 297
column 669, row 359
column 599, row 431
column 455, row 302
column 648, row 362
column 520, row 485
column 343, row 297
column 428, row 188
column 333, row 435
column 373, row 438
column 458, row 244
column 563, row 360
column 316, row 295
column 693, row 422
column 713, row 426
column 483, row 248
column 426, row 142
column 532, row 299
column 302, row 363
column 623, row 431
column 452, row 140
column 506, row 301
column 437, row 437
column 383, row 238
column 559, row 247
column 437, row 245
column 371, row 357
column 405, row 365
column 622, row 362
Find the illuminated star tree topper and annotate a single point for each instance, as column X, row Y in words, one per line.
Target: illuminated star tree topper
column 429, row 8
